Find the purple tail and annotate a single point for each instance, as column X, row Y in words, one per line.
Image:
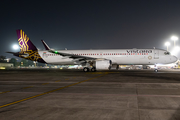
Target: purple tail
column 28, row 49
column 24, row 42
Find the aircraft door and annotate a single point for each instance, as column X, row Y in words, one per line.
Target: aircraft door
column 156, row 54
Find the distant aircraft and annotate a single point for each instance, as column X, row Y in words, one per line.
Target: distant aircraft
column 91, row 60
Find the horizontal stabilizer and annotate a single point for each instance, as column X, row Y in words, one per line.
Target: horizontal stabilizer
column 16, row 53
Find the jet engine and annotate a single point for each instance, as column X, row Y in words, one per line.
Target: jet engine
column 104, row 64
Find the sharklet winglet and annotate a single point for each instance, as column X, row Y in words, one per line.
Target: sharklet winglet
column 45, row 45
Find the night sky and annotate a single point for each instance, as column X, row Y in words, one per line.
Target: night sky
column 90, row 24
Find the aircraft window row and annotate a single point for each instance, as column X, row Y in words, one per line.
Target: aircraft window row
column 116, row 54
column 51, row 54
column 106, row 54
column 88, row 54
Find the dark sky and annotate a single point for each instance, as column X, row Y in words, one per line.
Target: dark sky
column 90, row 24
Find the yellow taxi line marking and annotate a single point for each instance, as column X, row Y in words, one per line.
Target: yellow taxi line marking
column 48, row 92
column 10, row 91
column 45, row 83
column 27, row 87
column 100, row 72
column 96, row 73
column 4, row 92
column 66, row 79
column 58, row 81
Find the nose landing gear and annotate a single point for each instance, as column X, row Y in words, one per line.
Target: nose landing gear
column 156, row 70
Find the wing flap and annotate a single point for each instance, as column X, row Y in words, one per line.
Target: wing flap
column 75, row 57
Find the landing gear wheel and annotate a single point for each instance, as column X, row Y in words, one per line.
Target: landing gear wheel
column 93, row 69
column 86, row 69
column 156, row 70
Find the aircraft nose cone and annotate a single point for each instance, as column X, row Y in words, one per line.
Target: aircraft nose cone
column 175, row 58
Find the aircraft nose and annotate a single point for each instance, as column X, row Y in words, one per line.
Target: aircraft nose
column 174, row 58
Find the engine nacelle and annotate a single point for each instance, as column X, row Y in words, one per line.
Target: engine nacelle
column 104, row 64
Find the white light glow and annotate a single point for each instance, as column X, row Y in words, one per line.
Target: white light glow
column 175, row 50
column 15, row 47
column 174, row 38
column 167, row 44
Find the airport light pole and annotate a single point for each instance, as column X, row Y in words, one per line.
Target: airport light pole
column 167, row 44
column 34, row 63
column 174, row 38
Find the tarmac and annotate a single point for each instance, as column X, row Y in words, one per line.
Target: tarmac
column 53, row 94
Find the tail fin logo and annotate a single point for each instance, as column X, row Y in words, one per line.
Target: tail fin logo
column 23, row 41
column 27, row 47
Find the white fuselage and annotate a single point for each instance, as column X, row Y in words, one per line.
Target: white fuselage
column 117, row 56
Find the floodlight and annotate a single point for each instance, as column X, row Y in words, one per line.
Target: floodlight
column 167, row 44
column 174, row 38
column 15, row 47
column 175, row 50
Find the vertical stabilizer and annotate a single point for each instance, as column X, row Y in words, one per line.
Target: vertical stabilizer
column 24, row 42
column 28, row 49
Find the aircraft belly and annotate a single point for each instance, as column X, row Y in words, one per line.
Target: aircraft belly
column 135, row 60
column 127, row 60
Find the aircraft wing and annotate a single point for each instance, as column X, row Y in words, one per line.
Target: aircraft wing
column 45, row 45
column 78, row 57
column 75, row 57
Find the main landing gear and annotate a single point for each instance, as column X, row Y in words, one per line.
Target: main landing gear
column 86, row 69
column 93, row 69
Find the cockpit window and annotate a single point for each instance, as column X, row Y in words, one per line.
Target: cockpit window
column 167, row 53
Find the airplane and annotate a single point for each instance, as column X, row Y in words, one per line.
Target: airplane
column 91, row 60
